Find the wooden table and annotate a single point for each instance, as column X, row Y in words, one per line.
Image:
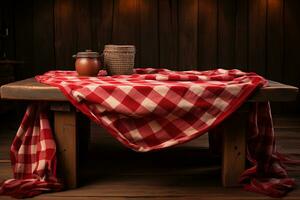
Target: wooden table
column 71, row 127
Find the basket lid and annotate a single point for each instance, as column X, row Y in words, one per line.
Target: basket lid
column 87, row 54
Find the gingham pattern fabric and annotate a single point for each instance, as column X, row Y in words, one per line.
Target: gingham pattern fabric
column 154, row 109
column 150, row 110
column 33, row 156
column 267, row 175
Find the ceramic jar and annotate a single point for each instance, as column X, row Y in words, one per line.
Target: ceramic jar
column 87, row 63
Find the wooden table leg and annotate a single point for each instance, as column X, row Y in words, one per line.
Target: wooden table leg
column 70, row 127
column 234, row 148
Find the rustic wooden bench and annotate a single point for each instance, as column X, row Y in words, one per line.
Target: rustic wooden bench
column 71, row 127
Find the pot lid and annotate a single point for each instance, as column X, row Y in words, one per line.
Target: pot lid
column 87, row 54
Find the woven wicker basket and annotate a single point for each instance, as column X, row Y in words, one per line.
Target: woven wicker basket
column 119, row 59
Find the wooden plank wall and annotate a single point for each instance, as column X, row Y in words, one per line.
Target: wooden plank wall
column 256, row 35
column 7, row 46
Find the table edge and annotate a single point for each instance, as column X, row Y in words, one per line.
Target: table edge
column 10, row 92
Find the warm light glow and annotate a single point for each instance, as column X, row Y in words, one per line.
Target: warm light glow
column 128, row 4
column 65, row 9
column 274, row 4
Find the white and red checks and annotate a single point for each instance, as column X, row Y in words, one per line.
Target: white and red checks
column 33, row 156
column 157, row 108
column 149, row 110
column 267, row 175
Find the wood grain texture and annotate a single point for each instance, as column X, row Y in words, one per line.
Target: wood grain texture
column 102, row 23
column 242, row 34
column 65, row 33
column 291, row 73
column 207, row 34
column 72, row 135
column 168, row 33
column 234, row 148
column 253, row 35
column 275, row 44
column 188, row 34
column 83, row 22
column 43, row 36
column 275, row 39
column 226, row 33
column 126, row 25
column 29, row 89
column 65, row 135
column 257, row 36
column 149, row 50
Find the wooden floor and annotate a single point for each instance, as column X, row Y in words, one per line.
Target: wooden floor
column 184, row 172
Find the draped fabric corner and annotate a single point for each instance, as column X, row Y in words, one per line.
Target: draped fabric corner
column 268, row 174
column 33, row 156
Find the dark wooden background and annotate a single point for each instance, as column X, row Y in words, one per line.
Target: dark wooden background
column 255, row 35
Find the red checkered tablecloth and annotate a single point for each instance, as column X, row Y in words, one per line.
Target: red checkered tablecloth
column 33, row 156
column 149, row 110
column 157, row 108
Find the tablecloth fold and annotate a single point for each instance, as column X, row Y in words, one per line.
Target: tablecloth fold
column 150, row 110
column 157, row 108
column 268, row 174
column 33, row 156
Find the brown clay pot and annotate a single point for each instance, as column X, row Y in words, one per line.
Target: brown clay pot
column 87, row 63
